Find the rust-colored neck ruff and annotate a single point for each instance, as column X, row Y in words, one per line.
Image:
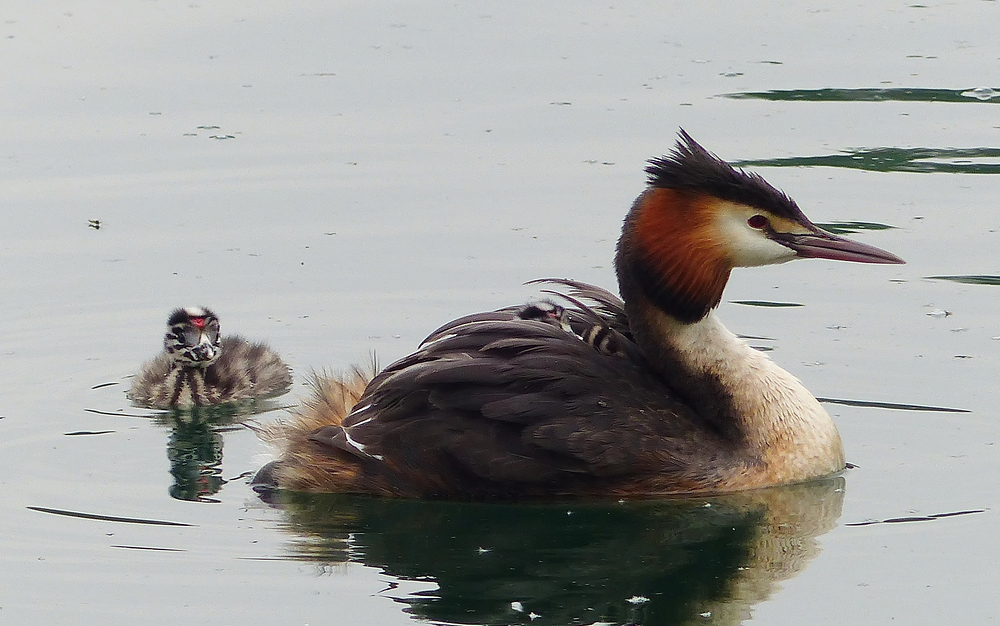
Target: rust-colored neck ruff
column 669, row 250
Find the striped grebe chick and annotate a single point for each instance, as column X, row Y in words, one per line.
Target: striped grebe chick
column 200, row 367
column 644, row 395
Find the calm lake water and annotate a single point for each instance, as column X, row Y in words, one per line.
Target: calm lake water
column 342, row 178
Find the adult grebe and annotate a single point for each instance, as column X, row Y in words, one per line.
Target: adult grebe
column 199, row 367
column 647, row 396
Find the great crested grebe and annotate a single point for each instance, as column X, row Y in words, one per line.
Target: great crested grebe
column 199, row 367
column 645, row 395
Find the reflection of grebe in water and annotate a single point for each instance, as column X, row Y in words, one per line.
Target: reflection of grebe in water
column 199, row 367
column 645, row 395
column 705, row 561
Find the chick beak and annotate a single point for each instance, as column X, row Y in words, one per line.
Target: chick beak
column 823, row 245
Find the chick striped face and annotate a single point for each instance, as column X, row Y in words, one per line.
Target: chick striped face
column 193, row 338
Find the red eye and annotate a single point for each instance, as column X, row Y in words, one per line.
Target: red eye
column 757, row 221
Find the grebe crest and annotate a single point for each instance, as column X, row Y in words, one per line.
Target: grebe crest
column 199, row 367
column 642, row 395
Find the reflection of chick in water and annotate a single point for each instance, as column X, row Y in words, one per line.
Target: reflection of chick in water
column 678, row 561
column 195, row 445
column 195, row 453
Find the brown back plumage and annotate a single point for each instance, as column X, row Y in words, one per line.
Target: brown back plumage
column 496, row 406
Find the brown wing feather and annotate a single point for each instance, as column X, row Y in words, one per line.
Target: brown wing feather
column 493, row 405
column 503, row 407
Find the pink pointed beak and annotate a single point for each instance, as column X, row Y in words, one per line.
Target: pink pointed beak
column 823, row 245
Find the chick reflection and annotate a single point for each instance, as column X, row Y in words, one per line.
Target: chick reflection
column 678, row 561
column 195, row 446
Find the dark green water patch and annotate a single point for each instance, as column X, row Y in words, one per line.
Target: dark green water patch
column 850, row 228
column 150, row 548
column 979, row 95
column 871, row 404
column 105, row 518
column 629, row 562
column 973, row 279
column 765, row 303
column 916, row 518
column 919, row 160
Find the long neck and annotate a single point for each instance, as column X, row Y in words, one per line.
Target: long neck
column 770, row 418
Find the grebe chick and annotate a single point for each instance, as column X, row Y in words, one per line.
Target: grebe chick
column 199, row 367
column 510, row 404
column 588, row 325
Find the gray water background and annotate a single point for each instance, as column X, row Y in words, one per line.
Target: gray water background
column 341, row 178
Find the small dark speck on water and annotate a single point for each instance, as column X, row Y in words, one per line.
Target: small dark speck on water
column 88, row 432
column 95, row 224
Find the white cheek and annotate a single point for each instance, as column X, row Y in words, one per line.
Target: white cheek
column 749, row 247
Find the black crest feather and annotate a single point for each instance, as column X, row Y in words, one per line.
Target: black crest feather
column 693, row 168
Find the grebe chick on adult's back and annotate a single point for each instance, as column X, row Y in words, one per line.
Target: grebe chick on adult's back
column 538, row 401
column 199, row 367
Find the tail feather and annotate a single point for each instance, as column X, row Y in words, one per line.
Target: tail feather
column 302, row 465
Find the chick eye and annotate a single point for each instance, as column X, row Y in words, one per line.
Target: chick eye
column 757, row 221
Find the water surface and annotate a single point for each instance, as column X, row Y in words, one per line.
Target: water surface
column 343, row 178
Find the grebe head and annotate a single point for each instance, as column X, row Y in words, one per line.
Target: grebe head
column 700, row 218
column 193, row 338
